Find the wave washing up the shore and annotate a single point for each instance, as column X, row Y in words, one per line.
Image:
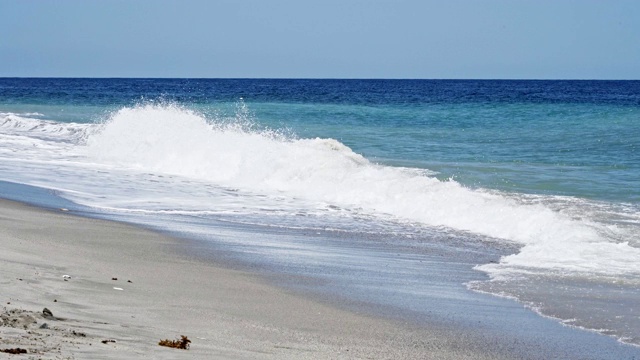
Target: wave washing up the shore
column 543, row 174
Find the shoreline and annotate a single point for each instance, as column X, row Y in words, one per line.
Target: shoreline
column 226, row 313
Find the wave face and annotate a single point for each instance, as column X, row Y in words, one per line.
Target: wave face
column 558, row 234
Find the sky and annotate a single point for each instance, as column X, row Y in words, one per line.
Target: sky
column 425, row 39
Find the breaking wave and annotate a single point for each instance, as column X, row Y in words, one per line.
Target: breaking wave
column 169, row 139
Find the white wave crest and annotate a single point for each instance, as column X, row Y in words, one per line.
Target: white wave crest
column 23, row 124
column 171, row 140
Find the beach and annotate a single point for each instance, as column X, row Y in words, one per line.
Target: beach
column 69, row 265
column 319, row 180
column 320, row 219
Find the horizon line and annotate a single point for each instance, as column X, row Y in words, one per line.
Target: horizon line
column 307, row 78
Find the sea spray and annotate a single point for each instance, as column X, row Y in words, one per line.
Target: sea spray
column 548, row 169
column 168, row 139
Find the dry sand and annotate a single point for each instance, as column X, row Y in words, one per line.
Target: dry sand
column 227, row 314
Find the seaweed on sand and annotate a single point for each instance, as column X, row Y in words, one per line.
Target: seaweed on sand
column 178, row 344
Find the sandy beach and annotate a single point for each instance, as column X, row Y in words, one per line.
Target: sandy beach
column 319, row 180
column 69, row 265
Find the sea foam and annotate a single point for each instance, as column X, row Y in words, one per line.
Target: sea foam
column 168, row 139
column 26, row 125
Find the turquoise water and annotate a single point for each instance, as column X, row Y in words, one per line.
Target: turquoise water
column 580, row 150
column 530, row 187
column 549, row 137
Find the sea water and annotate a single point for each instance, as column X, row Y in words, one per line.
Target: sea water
column 532, row 187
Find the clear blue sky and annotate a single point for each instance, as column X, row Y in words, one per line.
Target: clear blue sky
column 491, row 39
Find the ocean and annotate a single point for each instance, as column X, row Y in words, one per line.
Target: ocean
column 383, row 192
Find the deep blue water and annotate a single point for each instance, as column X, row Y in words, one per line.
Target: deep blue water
column 395, row 193
column 104, row 92
column 575, row 138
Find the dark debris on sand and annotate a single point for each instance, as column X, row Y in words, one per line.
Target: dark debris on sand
column 14, row 351
column 178, row 344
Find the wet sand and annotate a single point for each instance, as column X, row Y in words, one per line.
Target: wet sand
column 160, row 294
